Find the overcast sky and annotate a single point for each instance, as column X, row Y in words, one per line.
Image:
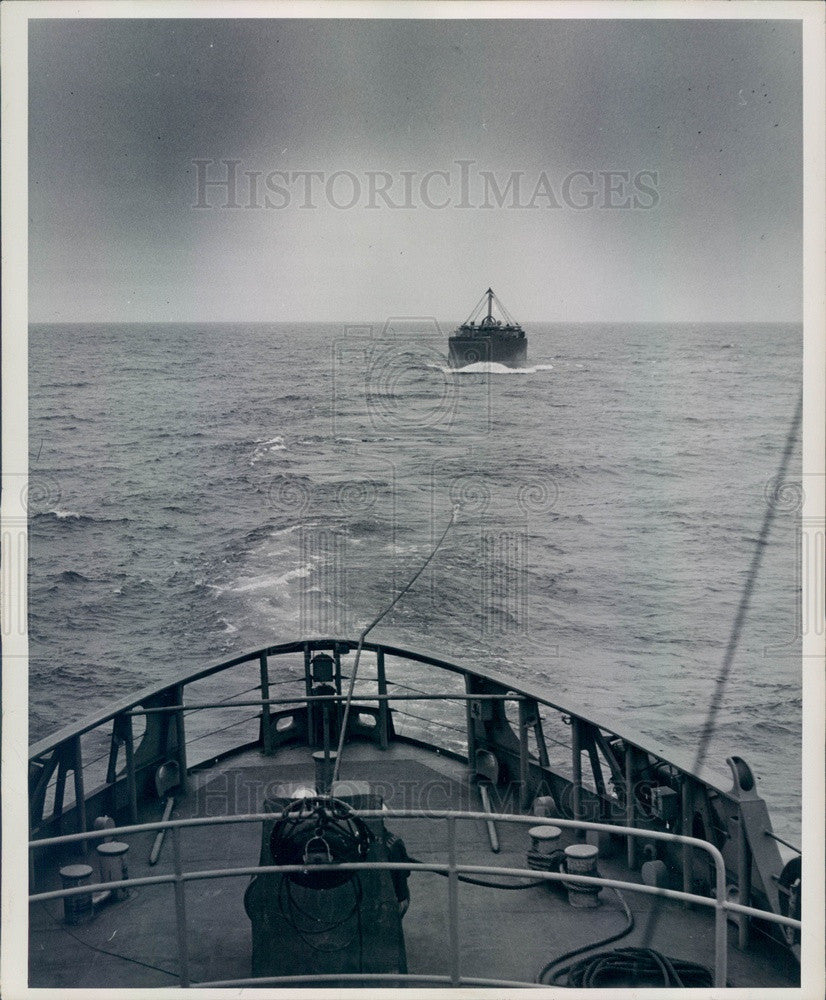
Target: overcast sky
column 706, row 115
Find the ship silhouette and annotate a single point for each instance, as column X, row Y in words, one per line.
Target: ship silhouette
column 489, row 338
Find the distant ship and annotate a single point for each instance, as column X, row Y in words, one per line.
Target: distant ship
column 501, row 341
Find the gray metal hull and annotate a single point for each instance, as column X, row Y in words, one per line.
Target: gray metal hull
column 503, row 350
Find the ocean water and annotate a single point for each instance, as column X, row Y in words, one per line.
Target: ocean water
column 198, row 491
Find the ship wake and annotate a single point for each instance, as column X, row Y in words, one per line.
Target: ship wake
column 494, row 368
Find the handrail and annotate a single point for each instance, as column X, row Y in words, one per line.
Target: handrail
column 633, row 763
column 390, row 978
column 178, row 878
column 64, row 748
column 635, row 740
column 304, row 699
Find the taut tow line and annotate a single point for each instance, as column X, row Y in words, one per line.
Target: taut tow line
column 372, row 625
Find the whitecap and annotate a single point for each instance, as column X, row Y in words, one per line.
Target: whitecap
column 269, row 447
column 264, row 582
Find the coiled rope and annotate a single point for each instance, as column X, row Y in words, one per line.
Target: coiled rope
column 633, row 967
column 629, row 926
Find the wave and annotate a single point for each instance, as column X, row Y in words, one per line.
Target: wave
column 46, row 417
column 72, row 516
column 277, row 582
column 264, row 448
column 266, row 532
column 365, row 527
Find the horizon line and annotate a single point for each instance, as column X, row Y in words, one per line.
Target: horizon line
column 366, row 322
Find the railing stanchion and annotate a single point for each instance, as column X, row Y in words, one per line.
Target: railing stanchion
column 453, row 901
column 131, row 780
column 266, row 732
column 180, row 908
column 180, row 739
column 308, row 690
column 80, row 795
column 59, row 792
column 337, row 662
column 686, row 825
column 544, row 760
column 631, row 842
column 743, row 881
column 471, row 725
column 523, row 755
column 576, row 766
column 720, row 925
column 384, row 707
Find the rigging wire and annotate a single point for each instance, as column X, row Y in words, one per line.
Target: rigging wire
column 745, row 598
column 475, row 310
column 736, row 630
column 371, row 626
column 507, row 316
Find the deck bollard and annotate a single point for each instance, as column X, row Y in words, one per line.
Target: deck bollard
column 544, row 854
column 113, row 868
column 581, row 859
column 76, row 909
column 543, row 838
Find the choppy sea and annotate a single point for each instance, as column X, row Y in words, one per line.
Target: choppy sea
column 197, row 491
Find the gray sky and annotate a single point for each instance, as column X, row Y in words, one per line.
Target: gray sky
column 119, row 110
